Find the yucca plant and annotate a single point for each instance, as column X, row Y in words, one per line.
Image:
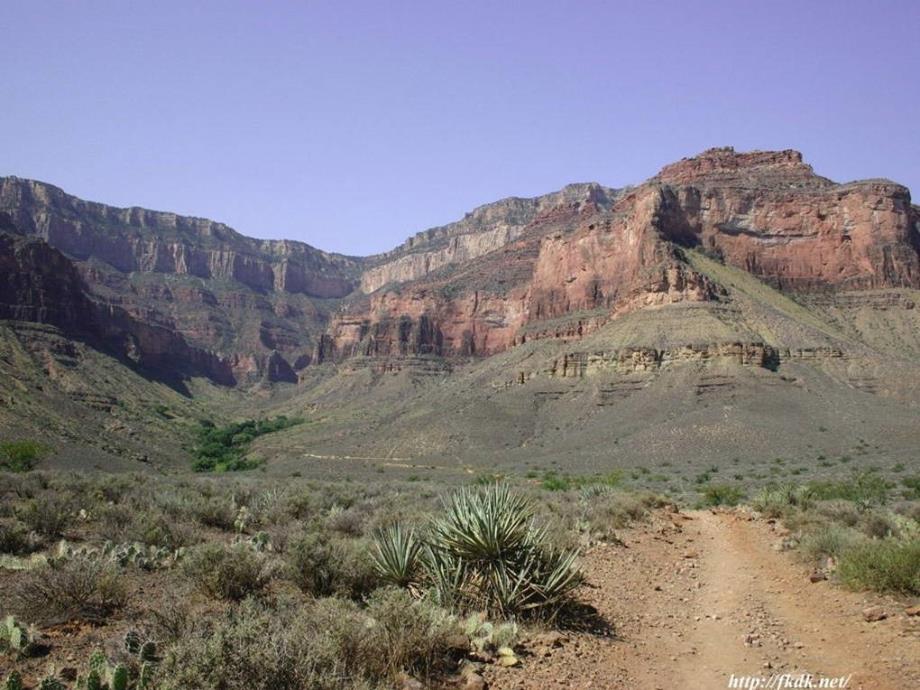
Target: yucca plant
column 489, row 524
column 396, row 555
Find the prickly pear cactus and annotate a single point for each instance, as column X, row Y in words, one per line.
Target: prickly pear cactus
column 17, row 637
column 93, row 681
column 51, row 683
column 145, row 677
column 119, row 679
column 13, row 681
column 148, row 651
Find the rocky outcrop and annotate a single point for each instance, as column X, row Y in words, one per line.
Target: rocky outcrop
column 481, row 231
column 557, row 266
column 39, row 284
column 251, row 302
column 767, row 213
column 563, row 265
column 135, row 239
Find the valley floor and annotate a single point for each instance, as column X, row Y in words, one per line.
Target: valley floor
column 700, row 597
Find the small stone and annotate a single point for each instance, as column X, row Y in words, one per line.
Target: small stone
column 474, row 682
column 505, row 651
column 817, row 576
column 874, row 613
column 508, row 661
column 913, row 610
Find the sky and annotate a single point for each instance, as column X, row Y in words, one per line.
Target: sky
column 352, row 125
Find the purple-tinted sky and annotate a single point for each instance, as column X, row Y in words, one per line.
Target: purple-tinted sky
column 351, row 125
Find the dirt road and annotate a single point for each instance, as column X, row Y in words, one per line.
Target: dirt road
column 699, row 597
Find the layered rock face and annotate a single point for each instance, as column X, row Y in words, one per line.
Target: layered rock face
column 135, row 239
column 574, row 261
column 247, row 302
column 556, row 266
column 483, row 230
column 39, row 284
column 770, row 215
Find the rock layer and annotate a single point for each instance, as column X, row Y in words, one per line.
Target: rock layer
column 557, row 266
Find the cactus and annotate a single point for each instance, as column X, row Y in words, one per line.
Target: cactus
column 119, row 679
column 145, row 679
column 51, row 683
column 148, row 651
column 13, row 681
column 17, row 637
column 93, row 681
column 132, row 642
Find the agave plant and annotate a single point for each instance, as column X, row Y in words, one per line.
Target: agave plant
column 396, row 555
column 488, row 524
column 487, row 553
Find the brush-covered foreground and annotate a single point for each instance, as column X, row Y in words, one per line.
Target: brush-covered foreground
column 239, row 581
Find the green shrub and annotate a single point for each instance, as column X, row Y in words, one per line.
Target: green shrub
column 227, row 572
column 223, row 449
column 21, row 456
column 912, row 484
column 865, row 489
column 829, row 540
column 722, row 495
column 883, row 565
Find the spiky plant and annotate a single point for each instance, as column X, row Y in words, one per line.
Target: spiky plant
column 396, row 555
column 486, row 553
column 484, row 525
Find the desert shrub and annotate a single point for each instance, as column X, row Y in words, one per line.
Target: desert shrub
column 865, row 489
column 912, row 486
column 829, row 540
column 227, row 572
column 485, row 552
column 48, row 514
column 410, row 635
column 839, row 511
column 555, row 482
column 323, row 565
column 21, row 456
column 722, row 495
column 16, row 539
column 908, row 509
column 884, row 565
column 215, row 512
column 122, row 523
column 83, row 588
column 325, row 644
column 878, row 525
column 348, row 521
column 775, row 501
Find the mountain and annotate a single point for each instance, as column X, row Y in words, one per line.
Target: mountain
column 735, row 303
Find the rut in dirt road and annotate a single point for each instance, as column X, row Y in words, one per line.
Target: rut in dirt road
column 697, row 599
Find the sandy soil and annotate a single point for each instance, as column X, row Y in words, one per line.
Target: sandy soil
column 694, row 598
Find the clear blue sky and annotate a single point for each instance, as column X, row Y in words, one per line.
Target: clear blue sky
column 351, row 125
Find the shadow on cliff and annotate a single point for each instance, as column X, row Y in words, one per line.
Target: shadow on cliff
column 39, row 284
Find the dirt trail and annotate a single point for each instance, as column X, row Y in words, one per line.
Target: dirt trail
column 698, row 597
